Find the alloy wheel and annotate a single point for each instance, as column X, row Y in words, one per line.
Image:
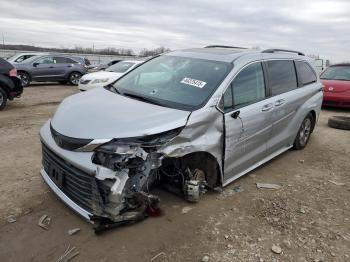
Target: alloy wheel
column 74, row 78
column 305, row 131
column 24, row 79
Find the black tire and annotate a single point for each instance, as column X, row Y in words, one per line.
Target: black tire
column 339, row 122
column 25, row 78
column 74, row 78
column 3, row 98
column 304, row 132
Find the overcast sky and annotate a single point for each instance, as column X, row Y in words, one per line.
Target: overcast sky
column 313, row 26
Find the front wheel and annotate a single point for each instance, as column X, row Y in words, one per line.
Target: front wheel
column 3, row 99
column 25, row 78
column 74, row 78
column 304, row 133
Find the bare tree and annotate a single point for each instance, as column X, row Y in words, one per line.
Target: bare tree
column 152, row 52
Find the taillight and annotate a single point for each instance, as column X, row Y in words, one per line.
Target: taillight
column 13, row 72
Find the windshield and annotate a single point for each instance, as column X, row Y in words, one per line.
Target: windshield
column 120, row 67
column 337, row 73
column 178, row 82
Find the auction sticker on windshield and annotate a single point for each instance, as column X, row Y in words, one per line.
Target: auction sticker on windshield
column 193, row 82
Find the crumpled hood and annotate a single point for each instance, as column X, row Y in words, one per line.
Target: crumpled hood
column 102, row 74
column 101, row 114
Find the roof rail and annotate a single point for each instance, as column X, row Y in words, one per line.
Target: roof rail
column 282, row 50
column 225, row 46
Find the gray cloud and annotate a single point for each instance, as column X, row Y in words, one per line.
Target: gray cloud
column 315, row 27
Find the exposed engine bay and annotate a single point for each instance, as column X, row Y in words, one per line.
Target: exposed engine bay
column 126, row 172
column 125, row 196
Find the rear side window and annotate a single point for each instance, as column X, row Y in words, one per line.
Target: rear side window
column 306, row 75
column 247, row 88
column 64, row 60
column 282, row 77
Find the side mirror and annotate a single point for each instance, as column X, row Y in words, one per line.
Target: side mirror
column 235, row 114
column 36, row 64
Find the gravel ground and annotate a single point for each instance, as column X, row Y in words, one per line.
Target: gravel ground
column 307, row 219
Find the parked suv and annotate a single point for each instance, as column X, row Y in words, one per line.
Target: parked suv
column 45, row 68
column 189, row 120
column 10, row 84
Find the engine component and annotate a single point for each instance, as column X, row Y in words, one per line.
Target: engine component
column 195, row 185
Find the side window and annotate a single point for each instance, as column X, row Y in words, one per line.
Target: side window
column 305, row 74
column 63, row 60
column 248, row 86
column 22, row 58
column 70, row 61
column 228, row 99
column 45, row 60
column 282, row 77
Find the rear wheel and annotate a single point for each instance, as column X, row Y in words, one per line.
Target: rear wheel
column 304, row 132
column 25, row 78
column 3, row 98
column 74, row 78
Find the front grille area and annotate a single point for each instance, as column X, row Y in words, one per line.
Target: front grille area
column 75, row 183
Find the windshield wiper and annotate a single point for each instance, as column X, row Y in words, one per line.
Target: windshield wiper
column 142, row 98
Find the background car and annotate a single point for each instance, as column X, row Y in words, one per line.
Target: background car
column 336, row 81
column 20, row 57
column 10, row 84
column 100, row 67
column 46, row 68
column 82, row 60
column 102, row 78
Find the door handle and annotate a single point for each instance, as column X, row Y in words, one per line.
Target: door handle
column 69, row 66
column 279, row 102
column 51, row 66
column 267, row 107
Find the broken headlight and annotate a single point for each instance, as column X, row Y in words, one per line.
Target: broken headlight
column 129, row 153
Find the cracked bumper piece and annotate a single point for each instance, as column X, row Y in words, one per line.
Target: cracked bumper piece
column 81, row 211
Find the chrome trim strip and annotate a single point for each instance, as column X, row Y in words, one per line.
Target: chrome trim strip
column 63, row 196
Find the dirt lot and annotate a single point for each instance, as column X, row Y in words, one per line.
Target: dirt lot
column 308, row 218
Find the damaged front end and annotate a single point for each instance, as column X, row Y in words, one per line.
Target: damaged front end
column 126, row 170
column 109, row 181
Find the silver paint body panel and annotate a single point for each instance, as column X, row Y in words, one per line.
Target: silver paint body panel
column 238, row 145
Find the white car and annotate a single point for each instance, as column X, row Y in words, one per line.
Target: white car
column 103, row 78
column 20, row 57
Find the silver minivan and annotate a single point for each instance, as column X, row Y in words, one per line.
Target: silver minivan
column 188, row 121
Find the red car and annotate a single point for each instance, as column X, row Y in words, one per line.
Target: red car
column 336, row 81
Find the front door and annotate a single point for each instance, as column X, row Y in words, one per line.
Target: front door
column 247, row 121
column 44, row 69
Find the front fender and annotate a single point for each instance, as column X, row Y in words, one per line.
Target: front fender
column 202, row 133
